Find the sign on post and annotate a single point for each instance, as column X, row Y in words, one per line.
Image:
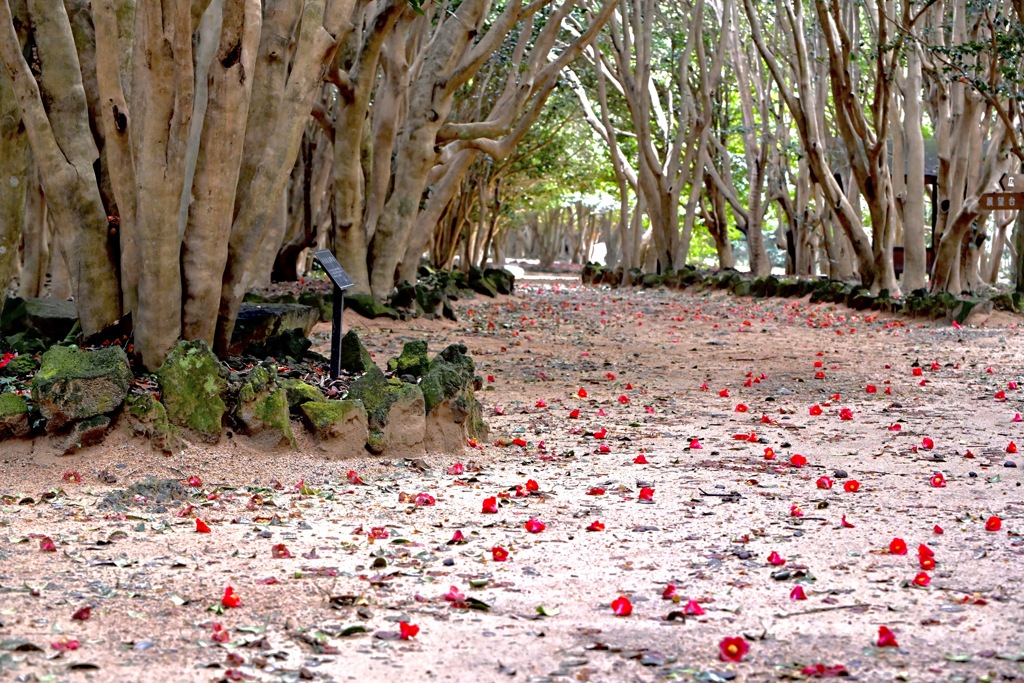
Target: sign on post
column 341, row 282
column 1012, row 182
column 1003, row 201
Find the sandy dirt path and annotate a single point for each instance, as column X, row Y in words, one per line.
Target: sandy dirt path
column 326, row 571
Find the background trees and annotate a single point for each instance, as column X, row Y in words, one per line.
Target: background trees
column 163, row 159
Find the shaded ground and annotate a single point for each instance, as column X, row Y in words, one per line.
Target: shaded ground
column 331, row 611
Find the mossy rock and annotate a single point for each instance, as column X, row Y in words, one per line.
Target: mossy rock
column 345, row 420
column 1005, row 302
column 258, row 323
column 50, row 319
column 444, row 381
column 354, row 356
column 193, row 384
column 766, row 286
column 972, row 312
column 591, row 273
column 741, row 287
column 14, row 421
column 391, row 408
column 651, row 281
column 368, row 307
column 268, row 413
column 322, row 302
column 482, row 284
column 688, row 276
column 20, row 366
column 73, row 384
column 148, row 418
column 84, row 433
column 504, row 281
column 261, row 380
column 412, row 361
column 300, row 392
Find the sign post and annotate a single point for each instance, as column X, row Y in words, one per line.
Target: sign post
column 1012, row 182
column 1003, row 201
column 341, row 282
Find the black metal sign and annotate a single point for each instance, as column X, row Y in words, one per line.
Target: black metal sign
column 341, row 282
column 333, row 269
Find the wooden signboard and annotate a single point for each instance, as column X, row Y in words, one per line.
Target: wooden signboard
column 1003, row 201
column 1012, row 182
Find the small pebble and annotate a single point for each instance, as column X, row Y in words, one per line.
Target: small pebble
column 972, row 474
column 840, row 474
column 1009, row 463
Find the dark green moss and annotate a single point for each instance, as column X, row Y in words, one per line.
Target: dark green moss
column 193, row 383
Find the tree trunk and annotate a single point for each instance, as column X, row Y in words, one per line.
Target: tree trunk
column 15, row 167
column 64, row 152
column 204, row 250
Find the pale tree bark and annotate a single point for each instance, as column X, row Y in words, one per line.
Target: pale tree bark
column 354, row 82
column 204, row 249
column 803, row 106
column 36, row 241
column 15, row 167
column 914, row 255
column 279, row 115
column 161, row 107
column 111, row 72
column 64, row 152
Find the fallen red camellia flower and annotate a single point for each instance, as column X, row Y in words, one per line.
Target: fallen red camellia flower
column 993, row 524
column 201, row 527
column 887, row 638
column 353, row 477
column 47, row 545
column 797, row 460
column 596, row 525
column 937, row 529
column 926, row 443
column 456, row 469
column 490, row 505
column 1011, row 447
column 64, row 643
column 732, row 649
column 769, row 453
column 407, row 630
column 776, row 559
column 535, row 526
column 797, row 593
column 741, row 408
column 695, row 444
column 230, row 598
column 72, row 476
column 574, row 413
column 279, row 551
column 922, row 579
column 724, row 393
column 82, row 613
column 898, row 546
column 938, row 481
column 822, row 671
column 601, row 433
column 646, row 493
column 195, row 481
column 582, row 393
column 844, row 524
column 669, row 592
column 642, row 459
column 220, row 634
column 458, row 538
column 851, row 486
column 815, row 410
column 532, row 485
column 824, row 483
column 455, row 595
column 622, row 607
column 845, row 414
column 693, row 608
column 499, row 554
